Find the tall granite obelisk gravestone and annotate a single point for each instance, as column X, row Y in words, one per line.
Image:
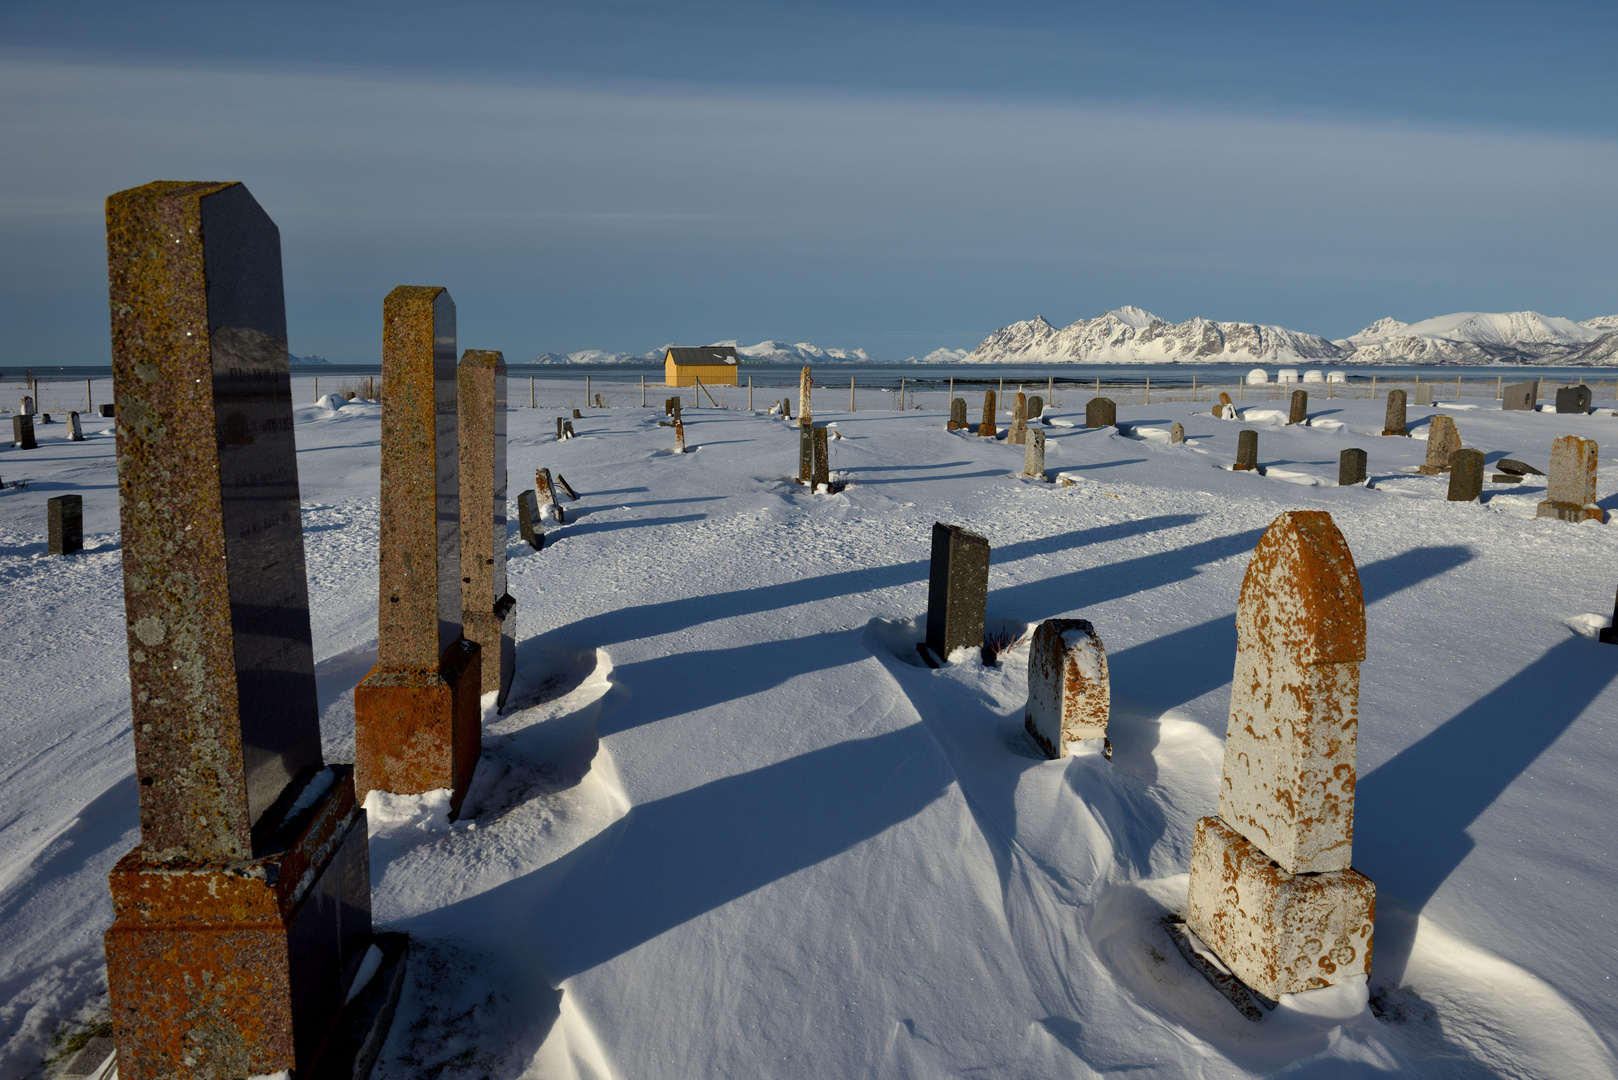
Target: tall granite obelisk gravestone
column 417, row 718
column 488, row 612
column 1272, row 893
column 241, row 919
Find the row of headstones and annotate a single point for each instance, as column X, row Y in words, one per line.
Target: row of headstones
column 1274, row 905
column 242, row 942
column 1023, row 410
column 22, row 429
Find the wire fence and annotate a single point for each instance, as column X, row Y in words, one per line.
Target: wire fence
column 59, row 396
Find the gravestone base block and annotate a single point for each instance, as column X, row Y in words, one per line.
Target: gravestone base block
column 1569, row 511
column 493, row 631
column 241, row 968
column 420, row 730
column 1432, row 470
column 1279, row 933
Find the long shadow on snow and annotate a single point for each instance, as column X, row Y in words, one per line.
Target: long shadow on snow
column 674, row 859
column 586, row 527
column 1412, row 813
column 649, row 620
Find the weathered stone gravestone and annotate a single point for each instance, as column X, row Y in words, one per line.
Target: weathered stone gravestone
column 600, row 402
column 1100, row 412
column 1224, row 408
column 1466, row 476
column 805, row 383
column 488, row 611
column 806, row 454
column 22, row 432
column 1442, row 442
column 64, row 524
column 546, row 490
column 1424, row 395
column 668, row 406
column 109, row 410
column 987, row 429
column 1394, row 422
column 1571, row 493
column 559, row 429
column 1512, row 471
column 1273, row 894
column 27, row 406
column 1246, row 451
column 1033, row 455
column 567, row 429
column 1018, row 435
column 679, row 448
column 1177, row 433
column 957, row 591
column 418, row 722
column 528, row 523
column 45, row 418
column 75, row 431
column 1299, row 411
column 1351, row 467
column 242, row 916
column 822, row 469
column 567, row 488
column 577, row 415
column 1573, row 399
column 957, row 414
column 1520, row 395
column 1069, row 694
column 1036, row 407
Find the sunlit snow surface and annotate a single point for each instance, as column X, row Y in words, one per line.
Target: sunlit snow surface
column 729, row 825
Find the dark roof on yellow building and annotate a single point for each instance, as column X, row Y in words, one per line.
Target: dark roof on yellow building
column 706, row 356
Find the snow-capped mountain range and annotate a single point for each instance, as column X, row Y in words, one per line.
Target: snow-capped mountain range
column 1130, row 335
column 765, row 352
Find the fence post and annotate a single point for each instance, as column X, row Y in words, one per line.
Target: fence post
column 643, row 391
column 1098, row 387
column 317, row 387
column 952, row 392
column 589, row 402
column 1373, row 387
column 750, row 393
column 851, row 393
column 1457, row 387
column 1497, row 387
column 89, row 403
column 1148, row 389
column 1050, row 389
column 530, row 391
column 902, row 394
column 1193, row 387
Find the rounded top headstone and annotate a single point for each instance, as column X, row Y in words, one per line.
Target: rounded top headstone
column 1302, row 592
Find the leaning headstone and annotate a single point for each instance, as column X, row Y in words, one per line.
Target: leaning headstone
column 987, row 429
column 109, row 410
column 1442, row 441
column 1517, row 468
column 1465, row 475
column 1100, row 412
column 1018, row 435
column 1272, row 893
column 1069, row 694
column 1299, row 411
column 1033, row 455
column 1394, row 422
column 1520, row 395
column 1424, row 394
column 1246, row 450
column 22, row 432
column 1571, row 493
column 957, row 414
column 567, row 488
column 957, row 591
column 528, row 523
column 806, row 454
column 546, row 490
column 243, row 914
column 1573, row 399
column 488, row 611
column 75, row 432
column 418, row 721
column 1351, row 467
column 679, row 448
column 1036, row 407
column 1177, row 433
column 822, row 472
column 64, row 524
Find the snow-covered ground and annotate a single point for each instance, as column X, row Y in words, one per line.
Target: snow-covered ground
column 728, row 826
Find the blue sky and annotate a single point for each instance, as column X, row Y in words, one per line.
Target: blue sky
column 898, row 177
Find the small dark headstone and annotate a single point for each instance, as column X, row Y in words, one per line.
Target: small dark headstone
column 74, row 429
column 1394, row 424
column 822, row 471
column 1465, row 475
column 668, row 406
column 1177, row 433
column 1516, row 468
column 533, row 533
column 1351, row 467
column 567, row 429
column 1569, row 399
column 957, row 414
column 22, row 432
column 64, row 516
column 1247, row 450
column 559, row 429
column 957, row 590
column 1036, row 407
column 1300, row 407
column 1101, row 412
column 577, row 415
column 1520, row 395
column 45, row 418
column 108, row 410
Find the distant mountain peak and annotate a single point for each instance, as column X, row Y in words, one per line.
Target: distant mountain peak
column 1139, row 318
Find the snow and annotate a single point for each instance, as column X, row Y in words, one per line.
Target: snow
column 730, row 825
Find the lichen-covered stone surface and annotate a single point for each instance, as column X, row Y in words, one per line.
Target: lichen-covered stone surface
column 1019, row 420
column 1394, row 422
column 1571, row 492
column 1069, row 694
column 1279, row 933
column 1100, row 412
column 1033, row 458
column 1442, row 440
column 987, row 428
column 488, row 614
column 419, row 730
column 1294, row 701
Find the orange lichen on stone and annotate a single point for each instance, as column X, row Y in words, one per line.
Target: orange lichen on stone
column 1294, row 708
column 1571, row 491
column 417, row 731
column 1442, row 440
column 1069, row 694
column 1279, row 933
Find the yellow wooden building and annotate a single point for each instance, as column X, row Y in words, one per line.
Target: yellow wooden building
column 713, row 364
